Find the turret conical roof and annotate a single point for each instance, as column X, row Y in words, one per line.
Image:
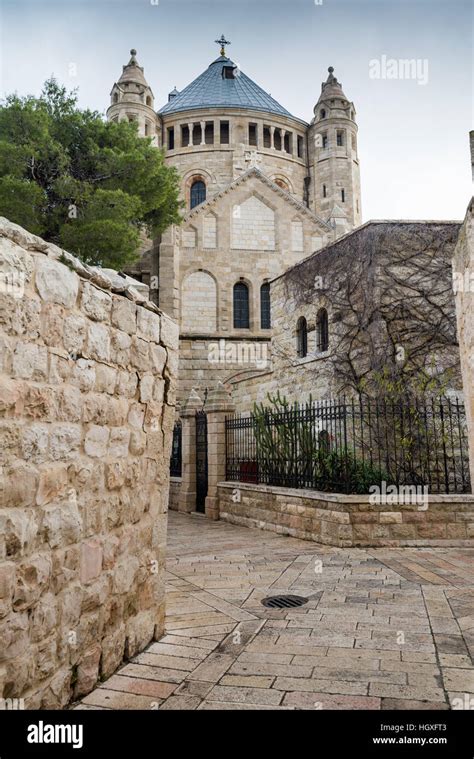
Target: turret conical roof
column 331, row 88
column 132, row 72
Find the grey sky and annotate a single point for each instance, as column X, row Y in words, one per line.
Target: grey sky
column 413, row 138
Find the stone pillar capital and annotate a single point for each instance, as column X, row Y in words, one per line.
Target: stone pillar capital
column 192, row 404
column 219, row 400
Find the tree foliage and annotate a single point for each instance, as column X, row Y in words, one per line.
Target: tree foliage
column 91, row 186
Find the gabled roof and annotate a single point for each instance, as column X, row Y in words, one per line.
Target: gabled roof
column 255, row 172
column 213, row 90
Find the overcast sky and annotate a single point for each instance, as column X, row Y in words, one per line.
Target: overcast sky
column 413, row 133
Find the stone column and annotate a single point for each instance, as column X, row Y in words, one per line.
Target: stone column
column 463, row 284
column 191, row 130
column 187, row 495
column 218, row 406
column 203, row 132
column 272, row 138
column 283, row 134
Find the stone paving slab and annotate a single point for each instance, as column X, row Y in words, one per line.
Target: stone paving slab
column 382, row 629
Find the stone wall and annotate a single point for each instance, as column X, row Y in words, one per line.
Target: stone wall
column 372, row 264
column 87, row 394
column 348, row 520
column 463, row 280
column 175, row 489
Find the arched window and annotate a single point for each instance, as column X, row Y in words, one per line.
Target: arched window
column 323, row 113
column 198, row 193
column 148, row 100
column 265, row 306
column 281, row 183
column 302, row 337
column 115, row 97
column 322, row 330
column 241, row 306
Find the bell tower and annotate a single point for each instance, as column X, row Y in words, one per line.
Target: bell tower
column 131, row 99
column 333, row 158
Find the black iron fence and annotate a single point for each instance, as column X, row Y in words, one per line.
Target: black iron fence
column 350, row 445
column 176, row 457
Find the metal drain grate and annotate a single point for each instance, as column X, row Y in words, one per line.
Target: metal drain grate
column 284, row 602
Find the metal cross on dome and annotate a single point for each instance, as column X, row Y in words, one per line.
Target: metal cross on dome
column 222, row 42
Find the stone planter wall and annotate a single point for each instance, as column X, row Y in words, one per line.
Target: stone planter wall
column 87, row 395
column 348, row 520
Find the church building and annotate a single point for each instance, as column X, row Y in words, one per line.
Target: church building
column 262, row 189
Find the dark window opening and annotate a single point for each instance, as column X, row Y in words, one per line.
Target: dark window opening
column 288, row 143
column 277, row 139
column 209, row 133
column 300, row 146
column 343, row 196
column 184, row 136
column 171, row 138
column 148, row 100
column 147, row 130
column 340, row 138
column 322, row 330
column 252, row 134
column 197, row 134
column 115, row 98
column 241, row 306
column 198, row 193
column 224, row 132
column 302, row 337
column 325, row 191
column 228, row 72
column 265, row 306
column 267, row 140
column 323, row 113
column 325, row 141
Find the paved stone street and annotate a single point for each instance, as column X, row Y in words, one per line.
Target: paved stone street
column 383, row 628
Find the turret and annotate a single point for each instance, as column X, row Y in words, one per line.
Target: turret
column 334, row 193
column 132, row 99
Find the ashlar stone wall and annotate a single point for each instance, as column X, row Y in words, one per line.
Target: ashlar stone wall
column 87, row 394
column 463, row 284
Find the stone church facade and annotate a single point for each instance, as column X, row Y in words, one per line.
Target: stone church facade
column 262, row 190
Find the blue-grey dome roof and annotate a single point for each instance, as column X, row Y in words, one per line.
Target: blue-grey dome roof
column 212, row 90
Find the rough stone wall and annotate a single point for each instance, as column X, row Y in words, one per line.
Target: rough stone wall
column 348, row 520
column 463, row 280
column 87, row 394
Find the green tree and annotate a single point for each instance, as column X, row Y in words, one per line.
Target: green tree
column 90, row 186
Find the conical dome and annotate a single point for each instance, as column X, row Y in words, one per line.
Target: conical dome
column 331, row 88
column 223, row 85
column 132, row 72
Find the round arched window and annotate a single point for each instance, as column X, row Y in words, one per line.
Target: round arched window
column 198, row 193
column 281, row 183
